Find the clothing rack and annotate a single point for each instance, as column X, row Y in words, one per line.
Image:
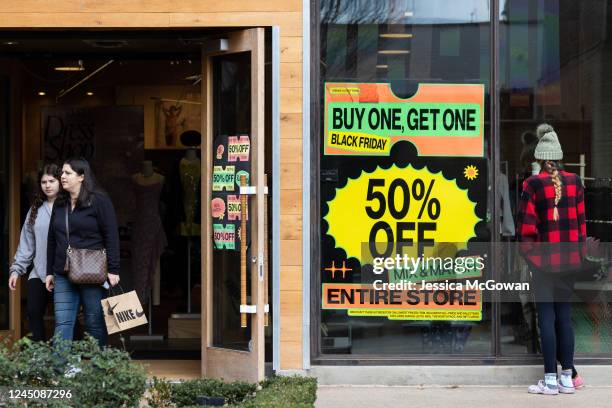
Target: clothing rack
column 581, row 164
column 600, row 181
column 189, row 314
column 188, row 275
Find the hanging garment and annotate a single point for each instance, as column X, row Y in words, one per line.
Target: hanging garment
column 148, row 238
column 190, row 181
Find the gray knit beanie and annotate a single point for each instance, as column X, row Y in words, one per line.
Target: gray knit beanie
column 548, row 147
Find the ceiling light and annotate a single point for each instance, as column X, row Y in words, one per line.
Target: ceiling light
column 394, row 52
column 89, row 93
column 382, row 66
column 10, row 43
column 408, row 14
column 71, row 67
column 41, row 93
column 396, row 35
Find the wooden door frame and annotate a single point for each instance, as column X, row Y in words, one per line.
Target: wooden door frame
column 218, row 362
column 14, row 188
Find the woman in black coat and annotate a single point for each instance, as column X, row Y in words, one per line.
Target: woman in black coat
column 93, row 225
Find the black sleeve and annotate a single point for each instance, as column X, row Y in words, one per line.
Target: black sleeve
column 51, row 244
column 107, row 222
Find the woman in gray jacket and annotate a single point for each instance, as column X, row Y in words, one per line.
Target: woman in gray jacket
column 32, row 249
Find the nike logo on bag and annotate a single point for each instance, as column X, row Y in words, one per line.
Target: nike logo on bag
column 127, row 315
column 111, row 308
column 140, row 314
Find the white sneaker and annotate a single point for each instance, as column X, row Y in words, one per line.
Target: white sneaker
column 566, row 390
column 542, row 388
column 72, row 371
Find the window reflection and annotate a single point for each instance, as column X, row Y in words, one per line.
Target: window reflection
column 554, row 64
column 403, row 43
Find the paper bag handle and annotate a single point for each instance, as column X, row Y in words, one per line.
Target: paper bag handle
column 110, row 288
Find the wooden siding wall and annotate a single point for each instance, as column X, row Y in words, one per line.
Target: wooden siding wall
column 164, row 14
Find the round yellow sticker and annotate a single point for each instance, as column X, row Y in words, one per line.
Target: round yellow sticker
column 399, row 205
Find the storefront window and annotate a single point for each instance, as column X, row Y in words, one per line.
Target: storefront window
column 554, row 68
column 404, row 158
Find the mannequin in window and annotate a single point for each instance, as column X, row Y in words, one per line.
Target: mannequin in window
column 148, row 235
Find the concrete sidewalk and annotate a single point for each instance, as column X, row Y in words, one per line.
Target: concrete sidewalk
column 457, row 396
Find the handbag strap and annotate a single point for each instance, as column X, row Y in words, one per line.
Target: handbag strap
column 67, row 228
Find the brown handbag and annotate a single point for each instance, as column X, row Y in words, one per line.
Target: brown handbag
column 85, row 266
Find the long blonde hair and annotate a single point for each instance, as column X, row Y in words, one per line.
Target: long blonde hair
column 552, row 168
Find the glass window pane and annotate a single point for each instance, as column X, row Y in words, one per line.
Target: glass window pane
column 374, row 56
column 554, row 69
column 232, row 120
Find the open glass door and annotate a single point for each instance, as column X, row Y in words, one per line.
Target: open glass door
column 233, row 225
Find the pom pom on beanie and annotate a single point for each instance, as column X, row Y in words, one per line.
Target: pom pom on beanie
column 542, row 129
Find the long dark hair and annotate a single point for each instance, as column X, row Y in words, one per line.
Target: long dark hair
column 52, row 170
column 90, row 186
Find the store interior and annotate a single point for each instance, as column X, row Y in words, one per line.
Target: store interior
column 131, row 103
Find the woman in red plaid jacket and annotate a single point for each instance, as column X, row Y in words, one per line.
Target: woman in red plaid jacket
column 552, row 226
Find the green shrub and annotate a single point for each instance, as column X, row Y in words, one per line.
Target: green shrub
column 299, row 392
column 186, row 393
column 160, row 394
column 108, row 377
column 279, row 391
column 31, row 363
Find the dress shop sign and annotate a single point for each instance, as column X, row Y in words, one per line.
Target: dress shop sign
column 68, row 133
column 409, row 181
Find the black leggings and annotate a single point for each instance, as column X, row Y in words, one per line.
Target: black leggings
column 559, row 353
column 554, row 319
column 553, row 304
column 37, row 305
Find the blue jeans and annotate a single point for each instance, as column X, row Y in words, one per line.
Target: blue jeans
column 67, row 297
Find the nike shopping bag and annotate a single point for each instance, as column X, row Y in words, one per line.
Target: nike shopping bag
column 123, row 312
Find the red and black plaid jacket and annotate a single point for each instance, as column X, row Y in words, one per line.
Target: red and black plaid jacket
column 552, row 246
